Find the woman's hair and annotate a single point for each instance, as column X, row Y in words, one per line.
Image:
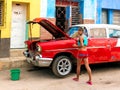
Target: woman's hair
column 80, row 29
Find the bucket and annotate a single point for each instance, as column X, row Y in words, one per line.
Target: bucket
column 15, row 74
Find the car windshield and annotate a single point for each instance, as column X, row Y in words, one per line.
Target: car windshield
column 73, row 30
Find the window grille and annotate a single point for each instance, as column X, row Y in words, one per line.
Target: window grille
column 1, row 13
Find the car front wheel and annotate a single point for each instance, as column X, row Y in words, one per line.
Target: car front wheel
column 62, row 66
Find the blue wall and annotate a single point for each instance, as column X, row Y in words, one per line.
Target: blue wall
column 110, row 16
column 89, row 9
column 81, row 5
column 47, row 8
column 110, row 6
column 99, row 12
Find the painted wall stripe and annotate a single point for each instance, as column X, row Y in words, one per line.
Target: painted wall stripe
column 99, row 12
column 43, row 8
column 89, row 9
column 110, row 16
column 50, row 9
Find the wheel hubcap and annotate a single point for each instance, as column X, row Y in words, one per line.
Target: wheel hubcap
column 64, row 66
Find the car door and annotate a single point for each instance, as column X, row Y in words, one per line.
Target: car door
column 114, row 40
column 98, row 45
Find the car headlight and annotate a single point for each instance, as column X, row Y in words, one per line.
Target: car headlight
column 39, row 48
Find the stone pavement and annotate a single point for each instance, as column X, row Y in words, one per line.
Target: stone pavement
column 105, row 77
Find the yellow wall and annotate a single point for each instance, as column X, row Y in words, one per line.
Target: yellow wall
column 33, row 11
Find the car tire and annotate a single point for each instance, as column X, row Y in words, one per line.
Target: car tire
column 62, row 66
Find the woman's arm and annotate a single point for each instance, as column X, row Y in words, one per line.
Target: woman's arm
column 81, row 41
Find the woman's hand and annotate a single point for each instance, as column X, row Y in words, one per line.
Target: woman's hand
column 75, row 45
column 77, row 38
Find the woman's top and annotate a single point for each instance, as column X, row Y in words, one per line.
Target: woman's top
column 85, row 41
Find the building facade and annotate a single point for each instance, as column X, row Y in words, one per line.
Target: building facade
column 108, row 11
column 15, row 13
column 13, row 17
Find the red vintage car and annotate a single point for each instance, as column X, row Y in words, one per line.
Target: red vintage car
column 59, row 53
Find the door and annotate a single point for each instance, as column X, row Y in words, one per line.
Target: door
column 114, row 41
column 104, row 16
column 99, row 46
column 18, row 26
column 60, row 17
column 116, row 17
column 72, row 16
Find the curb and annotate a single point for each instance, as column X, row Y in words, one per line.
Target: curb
column 13, row 62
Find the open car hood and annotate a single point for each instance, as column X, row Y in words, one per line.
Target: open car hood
column 54, row 30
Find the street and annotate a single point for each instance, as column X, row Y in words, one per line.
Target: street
column 105, row 77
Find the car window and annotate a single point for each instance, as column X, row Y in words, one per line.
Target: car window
column 114, row 33
column 98, row 33
column 73, row 30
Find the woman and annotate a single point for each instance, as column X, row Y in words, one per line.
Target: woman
column 82, row 54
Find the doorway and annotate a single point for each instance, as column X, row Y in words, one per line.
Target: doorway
column 60, row 17
column 18, row 25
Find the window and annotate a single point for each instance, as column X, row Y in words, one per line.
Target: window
column 73, row 30
column 1, row 13
column 98, row 33
column 114, row 33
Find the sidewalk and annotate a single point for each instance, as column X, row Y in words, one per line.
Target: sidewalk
column 15, row 60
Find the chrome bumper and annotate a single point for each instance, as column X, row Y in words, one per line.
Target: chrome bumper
column 38, row 60
column 42, row 62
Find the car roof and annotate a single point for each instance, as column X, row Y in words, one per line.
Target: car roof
column 98, row 26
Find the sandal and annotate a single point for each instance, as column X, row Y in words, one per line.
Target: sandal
column 75, row 79
column 89, row 82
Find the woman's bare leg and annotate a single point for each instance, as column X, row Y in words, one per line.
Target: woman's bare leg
column 79, row 61
column 88, row 69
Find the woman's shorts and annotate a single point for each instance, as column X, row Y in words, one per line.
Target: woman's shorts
column 82, row 54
